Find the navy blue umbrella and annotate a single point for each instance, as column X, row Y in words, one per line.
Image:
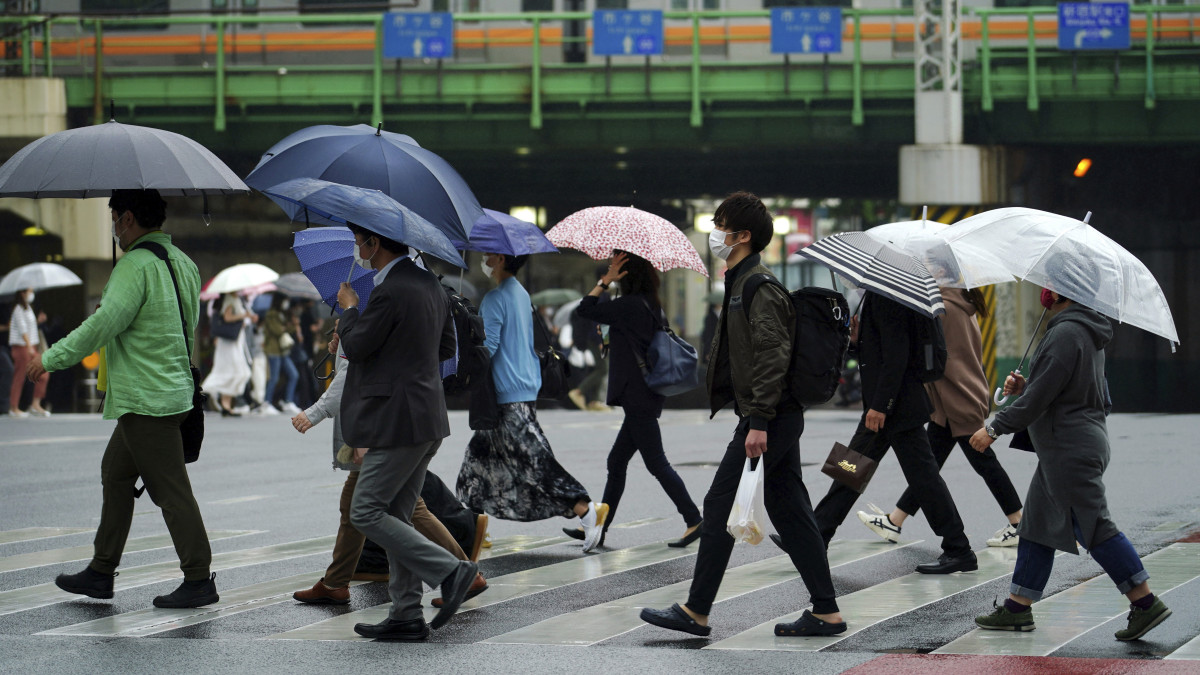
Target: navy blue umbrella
column 326, row 256
column 367, row 157
column 369, row 209
column 498, row 232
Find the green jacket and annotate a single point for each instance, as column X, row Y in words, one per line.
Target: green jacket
column 274, row 326
column 751, row 358
column 138, row 323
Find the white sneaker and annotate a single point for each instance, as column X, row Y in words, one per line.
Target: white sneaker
column 17, row 413
column 290, row 408
column 241, row 410
column 1004, row 537
column 879, row 523
column 267, row 409
column 39, row 413
column 593, row 525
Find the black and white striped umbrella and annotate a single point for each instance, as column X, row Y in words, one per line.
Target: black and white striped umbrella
column 880, row 267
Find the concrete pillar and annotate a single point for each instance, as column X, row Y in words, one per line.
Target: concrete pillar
column 83, row 224
column 33, row 107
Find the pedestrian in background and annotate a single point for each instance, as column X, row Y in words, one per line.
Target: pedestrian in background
column 231, row 358
column 961, row 400
column 510, row 472
column 751, row 358
column 23, row 341
column 278, row 339
column 1063, row 406
column 632, row 319
column 7, row 372
column 149, row 394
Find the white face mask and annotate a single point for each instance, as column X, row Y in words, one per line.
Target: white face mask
column 487, row 269
column 117, row 236
column 29, row 298
column 362, row 262
column 716, row 243
column 285, row 305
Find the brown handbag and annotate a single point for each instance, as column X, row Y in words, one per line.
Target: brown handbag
column 850, row 468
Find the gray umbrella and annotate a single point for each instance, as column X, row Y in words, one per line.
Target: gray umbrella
column 93, row 161
column 296, row 285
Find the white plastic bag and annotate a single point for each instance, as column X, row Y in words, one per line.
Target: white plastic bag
column 747, row 518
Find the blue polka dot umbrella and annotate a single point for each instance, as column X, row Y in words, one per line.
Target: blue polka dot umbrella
column 326, row 256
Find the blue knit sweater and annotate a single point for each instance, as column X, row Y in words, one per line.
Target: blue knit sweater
column 508, row 324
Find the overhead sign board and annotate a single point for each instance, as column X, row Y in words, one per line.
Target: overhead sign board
column 1093, row 25
column 806, row 30
column 418, row 35
column 625, row 32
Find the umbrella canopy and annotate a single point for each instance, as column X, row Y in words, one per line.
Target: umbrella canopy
column 326, row 256
column 562, row 315
column 555, row 296
column 498, row 232
column 366, row 157
column 206, row 293
column 878, row 266
column 462, row 287
column 1073, row 259
column 926, row 240
column 93, row 161
column 240, row 277
column 296, row 285
column 600, row 230
column 38, row 276
column 370, row 209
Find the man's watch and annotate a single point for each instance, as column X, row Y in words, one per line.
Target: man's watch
column 991, row 431
column 601, row 284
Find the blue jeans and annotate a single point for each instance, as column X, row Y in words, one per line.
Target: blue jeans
column 289, row 369
column 1116, row 556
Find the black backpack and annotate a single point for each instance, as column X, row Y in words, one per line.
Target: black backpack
column 930, row 350
column 473, row 357
column 819, row 339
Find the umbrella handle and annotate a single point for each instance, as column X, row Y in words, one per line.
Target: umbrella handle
column 317, row 367
column 997, row 398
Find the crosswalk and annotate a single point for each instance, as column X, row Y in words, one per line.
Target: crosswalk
column 887, row 600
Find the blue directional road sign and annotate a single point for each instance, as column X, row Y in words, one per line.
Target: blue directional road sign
column 625, row 32
column 418, row 35
column 806, row 30
column 1093, row 25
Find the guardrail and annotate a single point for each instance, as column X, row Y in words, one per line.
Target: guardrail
column 1022, row 24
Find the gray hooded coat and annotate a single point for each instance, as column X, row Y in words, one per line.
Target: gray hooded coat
column 1063, row 408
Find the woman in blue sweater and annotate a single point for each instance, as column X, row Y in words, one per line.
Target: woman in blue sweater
column 510, row 472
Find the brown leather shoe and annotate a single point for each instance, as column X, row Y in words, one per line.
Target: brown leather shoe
column 481, row 523
column 320, row 594
column 478, row 586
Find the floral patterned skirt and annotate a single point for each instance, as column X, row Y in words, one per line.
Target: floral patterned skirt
column 511, row 473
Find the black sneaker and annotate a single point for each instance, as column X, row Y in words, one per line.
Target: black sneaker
column 89, row 582
column 190, row 594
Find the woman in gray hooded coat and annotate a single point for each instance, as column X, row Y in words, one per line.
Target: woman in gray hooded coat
column 1063, row 408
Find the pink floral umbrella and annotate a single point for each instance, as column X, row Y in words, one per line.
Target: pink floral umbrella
column 599, row 230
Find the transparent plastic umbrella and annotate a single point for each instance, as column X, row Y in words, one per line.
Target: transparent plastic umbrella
column 968, row 267
column 38, row 276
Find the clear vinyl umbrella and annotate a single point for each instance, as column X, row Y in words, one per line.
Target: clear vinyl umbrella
column 38, row 276
column 967, row 267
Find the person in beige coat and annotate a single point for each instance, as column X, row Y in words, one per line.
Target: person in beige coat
column 960, row 404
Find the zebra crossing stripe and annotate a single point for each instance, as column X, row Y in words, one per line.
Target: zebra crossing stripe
column 32, row 597
column 31, row 533
column 865, row 608
column 1190, row 651
column 1065, row 616
column 504, row 588
column 597, row 623
column 23, row 561
column 151, row 621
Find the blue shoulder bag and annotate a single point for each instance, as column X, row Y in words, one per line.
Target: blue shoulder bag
column 669, row 366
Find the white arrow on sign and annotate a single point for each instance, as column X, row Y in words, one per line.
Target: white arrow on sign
column 806, row 43
column 628, row 44
column 1081, row 35
column 418, row 46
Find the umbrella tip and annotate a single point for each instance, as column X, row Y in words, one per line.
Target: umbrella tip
column 112, row 110
column 379, row 129
column 1088, row 217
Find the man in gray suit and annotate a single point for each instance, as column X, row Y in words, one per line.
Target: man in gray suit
column 394, row 406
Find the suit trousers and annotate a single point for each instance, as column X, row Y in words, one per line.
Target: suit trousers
column 389, row 485
column 922, row 472
column 150, row 448
column 787, row 504
column 985, row 463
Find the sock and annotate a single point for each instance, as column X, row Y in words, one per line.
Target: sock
column 1015, row 607
column 1144, row 603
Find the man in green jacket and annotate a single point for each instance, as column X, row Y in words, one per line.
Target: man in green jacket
column 149, row 393
column 749, row 367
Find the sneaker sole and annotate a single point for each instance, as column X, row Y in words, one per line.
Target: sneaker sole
column 1157, row 620
column 99, row 595
column 199, row 602
column 322, row 601
column 1021, row 628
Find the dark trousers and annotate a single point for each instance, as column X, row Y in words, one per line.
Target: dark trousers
column 6, row 378
column 986, row 464
column 787, row 504
column 921, row 471
column 641, row 433
column 150, row 448
column 444, row 504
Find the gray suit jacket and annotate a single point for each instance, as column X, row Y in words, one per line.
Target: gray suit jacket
column 393, row 393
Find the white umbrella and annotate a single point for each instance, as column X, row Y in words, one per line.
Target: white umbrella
column 38, row 276
column 240, row 277
column 969, row 267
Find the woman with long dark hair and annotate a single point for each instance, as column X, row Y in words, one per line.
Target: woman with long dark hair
column 633, row 319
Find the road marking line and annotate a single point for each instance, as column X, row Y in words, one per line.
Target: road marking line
column 151, row 621
column 31, row 533
column 25, row 561
column 1065, row 616
column 240, row 500
column 504, row 588
column 869, row 606
column 637, row 523
column 516, row 543
column 611, row 619
column 1190, row 651
column 32, row 597
column 52, row 440
column 1171, row 526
